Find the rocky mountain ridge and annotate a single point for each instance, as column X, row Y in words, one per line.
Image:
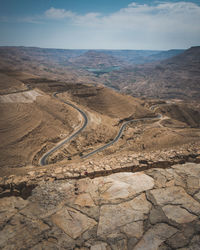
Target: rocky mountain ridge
column 176, row 77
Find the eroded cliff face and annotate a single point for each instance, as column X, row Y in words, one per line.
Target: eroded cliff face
column 152, row 209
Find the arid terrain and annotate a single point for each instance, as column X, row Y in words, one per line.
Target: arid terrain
column 176, row 77
column 33, row 121
column 87, row 136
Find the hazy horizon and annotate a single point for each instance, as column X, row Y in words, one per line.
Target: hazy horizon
column 90, row 49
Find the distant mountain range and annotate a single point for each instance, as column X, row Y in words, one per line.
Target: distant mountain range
column 175, row 77
column 79, row 58
column 141, row 73
column 142, row 56
column 96, row 59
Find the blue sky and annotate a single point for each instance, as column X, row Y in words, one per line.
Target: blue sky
column 95, row 24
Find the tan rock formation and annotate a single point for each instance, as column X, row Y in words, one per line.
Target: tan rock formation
column 154, row 209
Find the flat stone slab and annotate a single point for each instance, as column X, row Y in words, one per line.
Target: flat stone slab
column 154, row 209
column 153, row 238
column 197, row 196
column 115, row 216
column 178, row 214
column 122, row 186
column 84, row 200
column 72, row 222
column 174, row 196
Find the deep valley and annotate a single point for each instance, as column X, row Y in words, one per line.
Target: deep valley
column 100, row 149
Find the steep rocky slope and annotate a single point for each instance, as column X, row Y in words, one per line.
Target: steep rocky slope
column 31, row 121
column 23, row 55
column 40, row 121
column 185, row 113
column 30, row 125
column 108, row 102
column 96, row 59
column 142, row 56
column 177, row 77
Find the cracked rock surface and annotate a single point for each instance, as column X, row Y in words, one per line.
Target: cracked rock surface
column 154, row 209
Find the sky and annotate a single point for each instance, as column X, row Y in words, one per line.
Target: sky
column 100, row 24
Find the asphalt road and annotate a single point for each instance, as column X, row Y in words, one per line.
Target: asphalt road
column 85, row 119
column 59, row 145
column 120, row 134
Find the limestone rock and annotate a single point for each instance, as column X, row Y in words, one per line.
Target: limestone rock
column 134, row 229
column 84, row 200
column 123, row 186
column 46, row 245
column 115, row 216
column 89, row 187
column 174, row 196
column 131, row 243
column 119, row 244
column 178, row 240
column 9, row 206
column 100, row 246
column 156, row 215
column 178, row 214
column 163, row 246
column 119, row 211
column 153, row 238
column 192, row 171
column 22, row 232
column 195, row 242
column 72, row 222
column 12, row 203
column 197, row 196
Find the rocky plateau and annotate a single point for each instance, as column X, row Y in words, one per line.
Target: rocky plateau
column 152, row 209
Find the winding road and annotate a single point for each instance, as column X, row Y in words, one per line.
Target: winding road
column 159, row 116
column 85, row 122
column 43, row 159
column 60, row 144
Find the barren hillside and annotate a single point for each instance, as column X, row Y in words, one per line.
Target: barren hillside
column 30, row 122
column 177, row 77
column 95, row 59
column 33, row 121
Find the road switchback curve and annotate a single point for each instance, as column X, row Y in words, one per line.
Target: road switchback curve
column 43, row 159
column 85, row 122
column 159, row 116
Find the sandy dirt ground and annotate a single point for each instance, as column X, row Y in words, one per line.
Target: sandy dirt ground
column 23, row 97
column 28, row 129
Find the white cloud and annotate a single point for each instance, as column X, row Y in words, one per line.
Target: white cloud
column 53, row 13
column 136, row 16
column 154, row 17
column 166, row 24
column 88, row 18
column 163, row 25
